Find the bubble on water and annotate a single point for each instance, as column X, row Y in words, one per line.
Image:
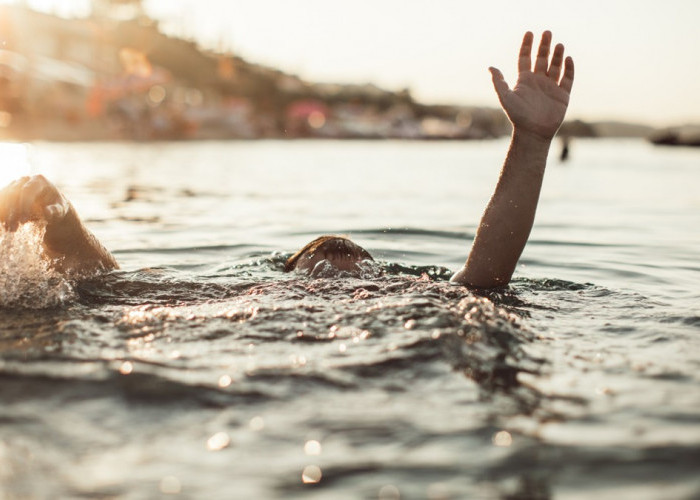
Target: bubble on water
column 26, row 278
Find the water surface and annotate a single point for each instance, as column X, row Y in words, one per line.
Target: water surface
column 200, row 369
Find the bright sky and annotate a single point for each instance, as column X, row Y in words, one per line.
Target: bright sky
column 636, row 60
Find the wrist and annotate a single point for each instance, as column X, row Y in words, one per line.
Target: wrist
column 528, row 152
column 65, row 234
column 531, row 139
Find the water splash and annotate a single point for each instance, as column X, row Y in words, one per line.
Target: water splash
column 26, row 277
column 366, row 269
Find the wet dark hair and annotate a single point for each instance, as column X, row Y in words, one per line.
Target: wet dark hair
column 332, row 246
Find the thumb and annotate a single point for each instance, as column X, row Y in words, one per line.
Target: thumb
column 499, row 83
column 55, row 212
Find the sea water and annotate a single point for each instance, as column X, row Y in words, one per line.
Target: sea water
column 201, row 370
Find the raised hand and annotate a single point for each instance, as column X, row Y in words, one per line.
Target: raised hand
column 31, row 199
column 536, row 107
column 537, row 104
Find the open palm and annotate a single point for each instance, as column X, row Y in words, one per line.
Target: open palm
column 537, row 104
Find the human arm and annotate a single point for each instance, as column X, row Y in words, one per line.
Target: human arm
column 536, row 107
column 71, row 247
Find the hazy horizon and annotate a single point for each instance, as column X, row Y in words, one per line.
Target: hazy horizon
column 633, row 59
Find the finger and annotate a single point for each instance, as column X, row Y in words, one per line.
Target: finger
column 567, row 80
column 524, row 59
column 37, row 188
column 32, row 195
column 541, row 62
column 9, row 202
column 4, row 216
column 11, row 221
column 499, row 83
column 557, row 60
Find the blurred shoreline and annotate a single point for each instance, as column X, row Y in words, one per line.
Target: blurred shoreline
column 108, row 78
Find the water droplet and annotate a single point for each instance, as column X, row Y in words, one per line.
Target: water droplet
column 312, row 447
column 257, row 424
column 225, row 381
column 311, row 475
column 502, row 438
column 218, row 441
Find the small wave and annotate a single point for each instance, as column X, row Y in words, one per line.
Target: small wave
column 183, row 249
column 26, row 277
column 142, row 386
column 436, row 273
column 414, row 231
column 385, row 323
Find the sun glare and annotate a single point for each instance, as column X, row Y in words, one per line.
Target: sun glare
column 14, row 162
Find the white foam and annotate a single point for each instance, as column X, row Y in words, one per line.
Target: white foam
column 26, row 277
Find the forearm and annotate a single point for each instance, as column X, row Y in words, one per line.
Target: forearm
column 74, row 249
column 506, row 223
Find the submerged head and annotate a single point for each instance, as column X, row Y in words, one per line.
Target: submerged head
column 338, row 251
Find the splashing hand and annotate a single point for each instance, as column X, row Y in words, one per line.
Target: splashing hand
column 32, row 199
column 537, row 104
column 70, row 246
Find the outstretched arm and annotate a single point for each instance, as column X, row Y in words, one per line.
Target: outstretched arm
column 536, row 107
column 72, row 248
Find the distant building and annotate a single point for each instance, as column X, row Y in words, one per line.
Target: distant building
column 114, row 74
